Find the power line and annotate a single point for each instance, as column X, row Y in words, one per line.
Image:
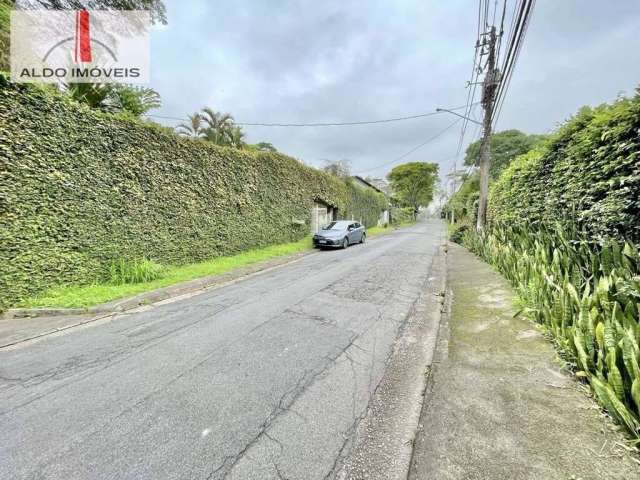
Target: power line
column 508, row 74
column 321, row 124
column 417, row 147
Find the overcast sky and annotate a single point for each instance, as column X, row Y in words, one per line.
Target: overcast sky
column 340, row 61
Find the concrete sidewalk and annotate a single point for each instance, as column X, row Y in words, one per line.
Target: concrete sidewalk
column 499, row 405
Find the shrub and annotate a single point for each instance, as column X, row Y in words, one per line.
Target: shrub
column 586, row 296
column 458, row 231
column 136, row 271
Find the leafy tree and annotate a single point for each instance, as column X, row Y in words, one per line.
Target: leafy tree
column 505, row 146
column 338, row 168
column 414, row 183
column 195, row 127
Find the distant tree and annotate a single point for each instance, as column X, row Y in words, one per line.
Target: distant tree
column 338, row 168
column 265, row 147
column 414, row 183
column 505, row 146
column 194, row 128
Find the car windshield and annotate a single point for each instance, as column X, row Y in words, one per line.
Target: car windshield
column 337, row 226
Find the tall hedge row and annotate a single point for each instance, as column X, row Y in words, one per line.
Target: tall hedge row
column 80, row 189
column 588, row 173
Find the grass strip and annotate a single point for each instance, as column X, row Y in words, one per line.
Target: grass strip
column 81, row 296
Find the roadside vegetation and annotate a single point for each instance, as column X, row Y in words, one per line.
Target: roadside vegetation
column 564, row 228
column 127, row 278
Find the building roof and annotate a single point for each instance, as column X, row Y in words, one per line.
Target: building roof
column 369, row 184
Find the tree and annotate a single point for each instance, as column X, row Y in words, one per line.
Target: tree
column 219, row 126
column 114, row 97
column 135, row 100
column 236, row 137
column 195, row 127
column 414, row 183
column 265, row 147
column 338, row 168
column 95, row 95
column 505, row 146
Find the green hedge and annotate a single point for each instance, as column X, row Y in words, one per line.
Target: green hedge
column 80, row 189
column 588, row 173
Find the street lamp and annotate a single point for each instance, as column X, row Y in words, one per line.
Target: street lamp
column 457, row 114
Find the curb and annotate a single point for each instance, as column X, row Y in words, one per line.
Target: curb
column 83, row 316
column 383, row 445
column 177, row 292
column 164, row 293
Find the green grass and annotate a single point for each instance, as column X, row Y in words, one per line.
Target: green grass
column 80, row 296
column 373, row 231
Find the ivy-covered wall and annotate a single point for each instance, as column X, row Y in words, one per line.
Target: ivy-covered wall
column 586, row 175
column 364, row 204
column 79, row 189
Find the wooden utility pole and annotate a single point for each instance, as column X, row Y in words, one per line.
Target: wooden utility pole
column 490, row 83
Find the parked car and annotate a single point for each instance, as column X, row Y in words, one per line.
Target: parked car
column 341, row 233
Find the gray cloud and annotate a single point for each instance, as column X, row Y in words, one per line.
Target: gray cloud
column 303, row 61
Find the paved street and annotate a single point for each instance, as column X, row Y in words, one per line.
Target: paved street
column 265, row 378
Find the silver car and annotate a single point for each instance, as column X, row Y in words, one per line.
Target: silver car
column 341, row 233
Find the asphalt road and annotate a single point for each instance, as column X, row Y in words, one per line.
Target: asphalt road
column 265, row 378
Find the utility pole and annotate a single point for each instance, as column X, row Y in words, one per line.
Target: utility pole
column 453, row 179
column 490, row 83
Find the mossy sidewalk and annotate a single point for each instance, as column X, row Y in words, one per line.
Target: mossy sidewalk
column 499, row 405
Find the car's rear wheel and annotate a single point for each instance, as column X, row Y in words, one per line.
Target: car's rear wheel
column 345, row 243
column 364, row 238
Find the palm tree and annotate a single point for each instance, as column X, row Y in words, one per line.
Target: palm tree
column 219, row 126
column 236, row 137
column 195, row 128
column 135, row 100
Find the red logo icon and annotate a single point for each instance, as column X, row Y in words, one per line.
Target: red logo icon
column 83, row 37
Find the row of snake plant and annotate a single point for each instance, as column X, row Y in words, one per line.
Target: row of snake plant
column 587, row 296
